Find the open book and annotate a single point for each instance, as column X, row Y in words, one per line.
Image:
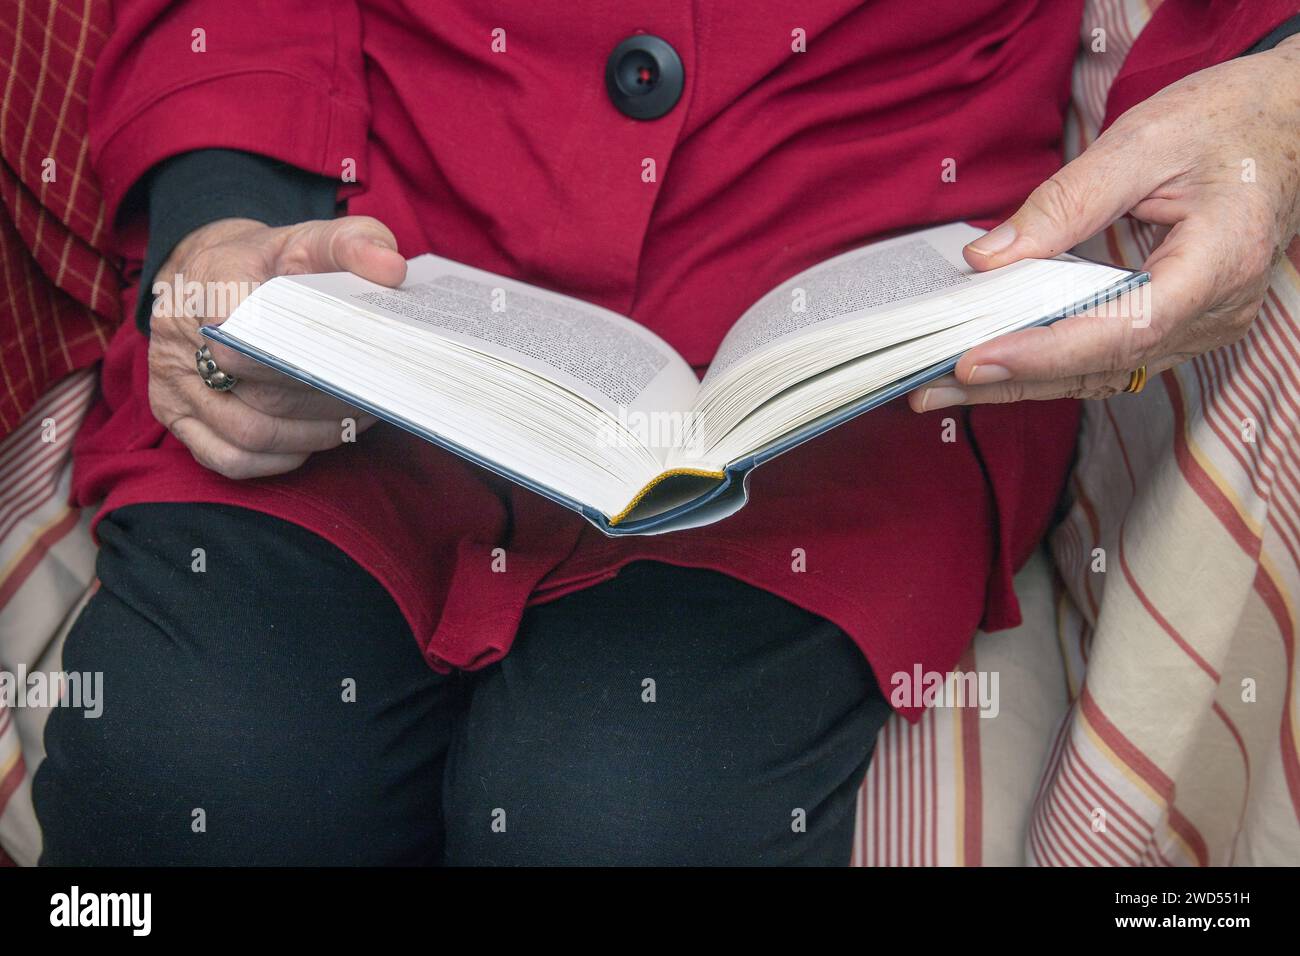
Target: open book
column 598, row 413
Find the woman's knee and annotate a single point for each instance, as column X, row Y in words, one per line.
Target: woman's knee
column 223, row 740
column 182, row 767
column 738, row 736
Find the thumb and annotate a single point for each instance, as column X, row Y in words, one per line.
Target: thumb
column 357, row 244
column 1077, row 202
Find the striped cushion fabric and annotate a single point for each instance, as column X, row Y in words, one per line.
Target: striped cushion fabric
column 47, row 565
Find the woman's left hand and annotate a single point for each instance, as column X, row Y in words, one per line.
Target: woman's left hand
column 1214, row 160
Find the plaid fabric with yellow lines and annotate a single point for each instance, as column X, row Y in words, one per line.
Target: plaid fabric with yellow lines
column 59, row 292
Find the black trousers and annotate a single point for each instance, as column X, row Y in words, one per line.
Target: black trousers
column 274, row 709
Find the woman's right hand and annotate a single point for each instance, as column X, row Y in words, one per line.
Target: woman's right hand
column 268, row 423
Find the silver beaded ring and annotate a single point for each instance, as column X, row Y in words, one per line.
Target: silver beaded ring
column 213, row 377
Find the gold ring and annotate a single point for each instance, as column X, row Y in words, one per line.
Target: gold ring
column 1137, row 380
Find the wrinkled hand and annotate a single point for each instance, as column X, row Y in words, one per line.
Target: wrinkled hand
column 268, row 423
column 1214, row 160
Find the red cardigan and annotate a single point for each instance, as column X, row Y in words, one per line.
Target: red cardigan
column 517, row 162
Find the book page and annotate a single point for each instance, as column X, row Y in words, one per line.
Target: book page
column 912, row 301
column 851, row 285
column 607, row 358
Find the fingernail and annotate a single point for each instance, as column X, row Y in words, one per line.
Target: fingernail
column 987, row 374
column 941, row 397
column 995, row 241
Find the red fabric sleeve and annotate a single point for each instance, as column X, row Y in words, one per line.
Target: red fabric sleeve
column 283, row 79
column 1184, row 36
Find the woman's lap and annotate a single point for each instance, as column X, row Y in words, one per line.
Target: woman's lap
column 274, row 708
column 224, row 694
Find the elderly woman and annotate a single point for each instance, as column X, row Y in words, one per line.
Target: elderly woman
column 327, row 651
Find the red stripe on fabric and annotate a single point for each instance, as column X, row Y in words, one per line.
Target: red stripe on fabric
column 1084, row 784
column 882, row 805
column 17, row 773
column 887, row 808
column 1068, row 820
column 973, row 791
column 1120, row 745
column 48, row 539
column 30, row 456
column 1142, row 765
column 1159, row 618
column 1245, row 762
column 895, row 793
column 1265, row 586
column 1276, row 604
column 1284, row 505
column 35, row 495
column 1044, row 847
column 14, row 448
column 1200, row 482
column 1284, row 345
column 934, row 787
column 1041, row 854
column 859, row 829
column 911, row 796
column 1217, row 405
column 1258, row 403
column 1037, row 845
column 875, row 803
column 1124, row 815
column 1073, row 786
column 1050, row 832
column 1272, row 297
column 1277, row 493
column 48, row 461
column 927, row 786
column 1057, row 822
